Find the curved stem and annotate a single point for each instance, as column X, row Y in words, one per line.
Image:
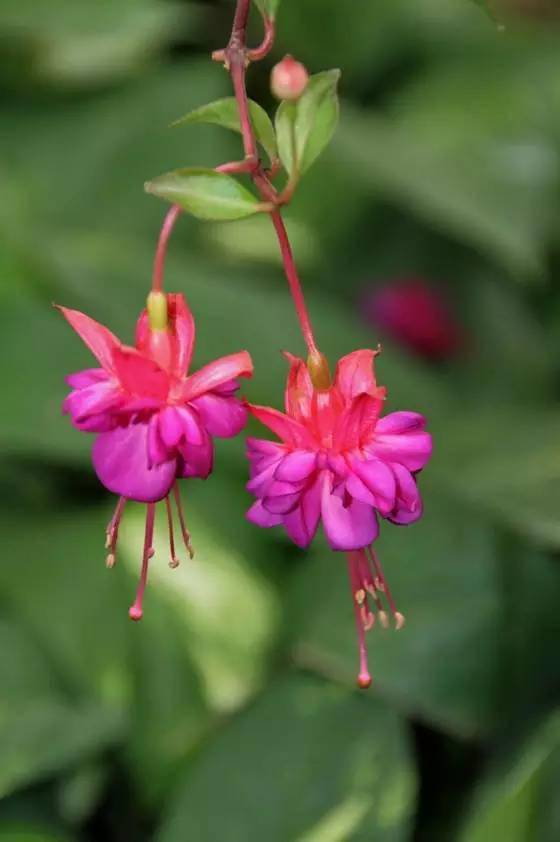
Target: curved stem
column 161, row 250
column 236, row 56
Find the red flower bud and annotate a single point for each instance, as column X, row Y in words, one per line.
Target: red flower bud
column 288, row 79
column 414, row 314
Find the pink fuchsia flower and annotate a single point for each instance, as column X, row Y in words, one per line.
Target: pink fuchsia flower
column 153, row 422
column 415, row 315
column 340, row 463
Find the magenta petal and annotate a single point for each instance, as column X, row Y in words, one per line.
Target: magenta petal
column 158, row 452
column 224, row 417
column 281, row 504
column 258, row 515
column 409, row 507
column 197, row 460
column 261, row 480
column 409, row 449
column 346, row 527
column 400, row 422
column 380, row 480
column 301, row 524
column 120, row 459
column 93, row 400
column 356, row 488
column 87, row 377
column 170, row 426
column 296, row 466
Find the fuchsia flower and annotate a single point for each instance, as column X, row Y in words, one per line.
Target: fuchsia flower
column 340, row 463
column 417, row 316
column 153, row 421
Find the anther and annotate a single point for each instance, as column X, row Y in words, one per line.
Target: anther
column 400, row 620
column 360, row 596
column 110, row 561
column 368, row 619
column 384, row 619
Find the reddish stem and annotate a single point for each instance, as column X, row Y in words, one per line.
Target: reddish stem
column 161, row 250
column 237, row 56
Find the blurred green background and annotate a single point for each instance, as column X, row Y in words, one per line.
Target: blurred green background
column 230, row 712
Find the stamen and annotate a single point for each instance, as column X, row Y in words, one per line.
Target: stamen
column 173, row 561
column 135, row 610
column 184, row 530
column 112, row 533
column 381, row 584
column 364, row 678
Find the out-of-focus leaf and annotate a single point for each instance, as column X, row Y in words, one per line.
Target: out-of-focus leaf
column 307, row 761
column 518, row 799
column 79, row 611
column 30, row 833
column 71, row 41
column 205, row 193
column 268, row 7
column 442, row 575
column 225, row 612
column 224, row 112
column 41, row 732
column 305, row 127
column 460, row 190
column 79, row 792
column 506, row 461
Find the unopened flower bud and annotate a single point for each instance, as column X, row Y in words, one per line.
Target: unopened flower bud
column 157, row 310
column 319, row 372
column 289, row 79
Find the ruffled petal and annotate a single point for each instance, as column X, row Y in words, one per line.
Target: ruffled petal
column 258, row 515
column 100, row 341
column 408, row 508
column 299, row 389
column 296, row 466
column 355, row 374
column 400, row 422
column 223, row 417
column 87, row 377
column 349, row 527
column 120, row 459
column 409, row 449
column 99, row 399
column 216, row 373
column 197, row 460
column 139, row 375
column 380, row 480
column 301, row 523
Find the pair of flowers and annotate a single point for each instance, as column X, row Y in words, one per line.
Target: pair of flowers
column 336, row 461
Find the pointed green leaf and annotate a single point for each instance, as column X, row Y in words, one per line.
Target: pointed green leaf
column 304, row 128
column 224, row 112
column 205, row 193
column 268, row 7
column 308, row 761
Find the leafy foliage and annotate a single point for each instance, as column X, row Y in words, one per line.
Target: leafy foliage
column 230, row 710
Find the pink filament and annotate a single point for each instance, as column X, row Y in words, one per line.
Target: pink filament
column 185, row 532
column 174, row 562
column 364, row 677
column 135, row 610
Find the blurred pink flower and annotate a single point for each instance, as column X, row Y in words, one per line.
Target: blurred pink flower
column 153, row 421
column 415, row 315
column 340, row 463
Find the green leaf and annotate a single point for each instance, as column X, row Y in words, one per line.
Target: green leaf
column 304, row 128
column 518, row 799
column 442, row 573
column 268, row 7
column 224, row 112
column 307, row 761
column 456, row 186
column 204, row 193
